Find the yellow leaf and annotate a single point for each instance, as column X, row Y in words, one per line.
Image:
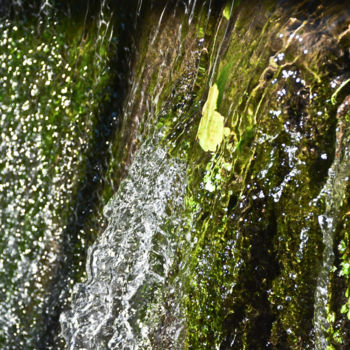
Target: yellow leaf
column 211, row 127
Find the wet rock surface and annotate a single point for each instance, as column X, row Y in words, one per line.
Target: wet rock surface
column 261, row 257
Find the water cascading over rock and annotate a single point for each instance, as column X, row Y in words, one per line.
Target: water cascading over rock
column 217, row 239
column 129, row 264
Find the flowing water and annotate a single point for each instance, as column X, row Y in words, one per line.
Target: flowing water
column 334, row 193
column 128, row 265
column 233, row 249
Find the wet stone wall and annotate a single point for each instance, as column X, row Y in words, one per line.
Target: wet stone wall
column 228, row 122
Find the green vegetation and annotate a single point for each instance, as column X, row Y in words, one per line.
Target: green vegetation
column 345, row 271
column 227, row 11
column 251, row 265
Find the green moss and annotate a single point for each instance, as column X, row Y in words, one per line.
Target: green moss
column 250, row 271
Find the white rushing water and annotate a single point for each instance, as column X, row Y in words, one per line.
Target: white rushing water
column 128, row 265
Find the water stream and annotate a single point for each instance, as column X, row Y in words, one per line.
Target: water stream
column 128, row 265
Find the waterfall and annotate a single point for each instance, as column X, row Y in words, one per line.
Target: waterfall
column 130, row 261
column 118, row 230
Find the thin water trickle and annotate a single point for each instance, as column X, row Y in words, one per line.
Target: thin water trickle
column 333, row 194
column 129, row 263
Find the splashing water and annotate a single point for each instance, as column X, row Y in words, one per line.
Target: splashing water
column 131, row 259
